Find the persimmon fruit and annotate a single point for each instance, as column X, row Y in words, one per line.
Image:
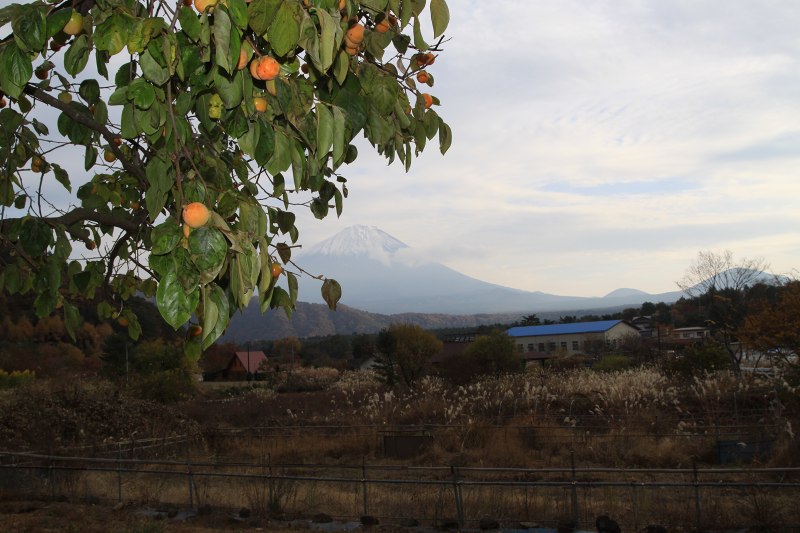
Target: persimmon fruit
column 422, row 77
column 196, row 215
column 109, row 156
column 74, row 25
column 260, row 103
column 265, row 68
column 428, row 100
column 276, row 269
column 202, row 5
column 355, row 34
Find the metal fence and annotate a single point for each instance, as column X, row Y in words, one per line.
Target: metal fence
column 688, row 498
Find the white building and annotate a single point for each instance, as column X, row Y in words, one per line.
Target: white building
column 573, row 338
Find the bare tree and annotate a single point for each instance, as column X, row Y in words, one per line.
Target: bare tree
column 720, row 284
column 713, row 271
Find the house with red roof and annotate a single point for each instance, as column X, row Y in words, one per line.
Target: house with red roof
column 245, row 365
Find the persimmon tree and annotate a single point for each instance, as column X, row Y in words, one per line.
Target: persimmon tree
column 249, row 109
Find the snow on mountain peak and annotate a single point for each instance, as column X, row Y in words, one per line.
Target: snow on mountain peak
column 359, row 240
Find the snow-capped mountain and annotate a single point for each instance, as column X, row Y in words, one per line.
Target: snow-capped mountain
column 357, row 240
column 381, row 274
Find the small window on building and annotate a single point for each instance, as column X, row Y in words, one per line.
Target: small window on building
column 564, row 344
column 701, row 333
column 575, row 345
column 686, row 335
column 541, row 346
column 530, row 347
column 551, row 346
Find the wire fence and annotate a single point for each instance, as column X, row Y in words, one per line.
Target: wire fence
column 689, row 498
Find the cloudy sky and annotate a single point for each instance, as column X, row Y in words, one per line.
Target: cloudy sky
column 600, row 144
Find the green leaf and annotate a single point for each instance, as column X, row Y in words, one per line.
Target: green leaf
column 190, row 23
column 330, row 37
column 90, row 91
column 56, row 21
column 231, row 91
column 216, row 307
column 30, row 29
column 440, row 16
column 375, row 5
column 76, row 132
column 208, row 247
column 111, row 35
column 291, row 280
column 77, row 55
column 165, row 237
column 339, row 142
column 331, row 292
column 282, row 157
column 15, row 69
column 61, row 176
column 419, row 42
column 72, row 319
column 141, row 93
column 261, row 14
column 342, row 66
column 89, row 157
column 284, row 32
column 445, row 137
column 238, row 13
column 173, row 303
column 152, row 70
column 222, row 40
column 319, row 208
column 324, row 130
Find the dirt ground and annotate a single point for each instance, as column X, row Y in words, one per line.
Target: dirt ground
column 67, row 517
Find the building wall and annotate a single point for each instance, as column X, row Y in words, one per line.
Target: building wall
column 575, row 342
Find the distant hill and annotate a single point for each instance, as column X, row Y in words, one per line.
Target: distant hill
column 381, row 274
column 313, row 320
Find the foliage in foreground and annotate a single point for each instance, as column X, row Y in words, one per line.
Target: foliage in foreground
column 200, row 144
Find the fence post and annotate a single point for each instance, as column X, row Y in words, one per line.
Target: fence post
column 634, row 506
column 119, row 471
column 52, row 480
column 189, row 477
column 271, row 504
column 697, row 508
column 574, row 495
column 457, row 496
column 264, row 482
column 364, row 486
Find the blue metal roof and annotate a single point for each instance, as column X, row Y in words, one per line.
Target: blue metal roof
column 563, row 329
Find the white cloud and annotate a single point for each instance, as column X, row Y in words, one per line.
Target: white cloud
column 601, row 144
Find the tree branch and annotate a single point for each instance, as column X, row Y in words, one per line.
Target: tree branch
column 89, row 122
column 81, row 214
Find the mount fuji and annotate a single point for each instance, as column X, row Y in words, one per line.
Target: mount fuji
column 381, row 274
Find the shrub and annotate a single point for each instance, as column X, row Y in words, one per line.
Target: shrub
column 9, row 380
column 613, row 363
column 699, row 359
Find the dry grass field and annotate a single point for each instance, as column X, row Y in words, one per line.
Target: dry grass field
column 270, row 452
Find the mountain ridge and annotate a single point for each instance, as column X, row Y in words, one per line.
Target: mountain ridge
column 381, row 274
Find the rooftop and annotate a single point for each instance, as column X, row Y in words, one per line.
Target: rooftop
column 563, row 329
